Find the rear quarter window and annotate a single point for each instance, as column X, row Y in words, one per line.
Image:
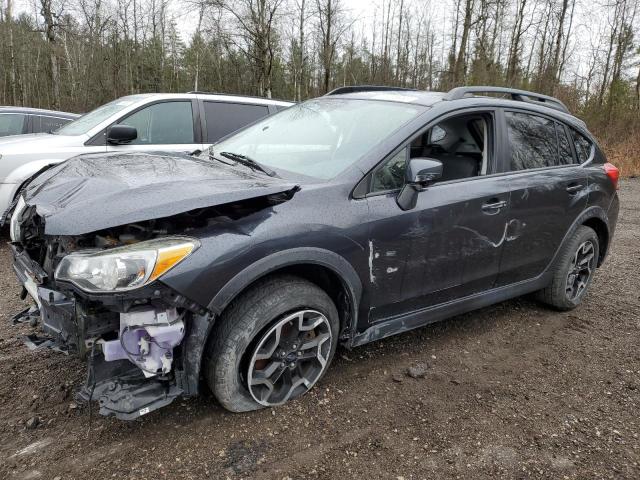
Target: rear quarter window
column 585, row 148
column 564, row 147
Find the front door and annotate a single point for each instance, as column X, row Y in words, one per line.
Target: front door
column 448, row 246
column 167, row 126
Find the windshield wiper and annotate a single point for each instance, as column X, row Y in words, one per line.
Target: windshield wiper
column 249, row 162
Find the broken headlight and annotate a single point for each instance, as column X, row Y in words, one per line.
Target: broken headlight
column 124, row 268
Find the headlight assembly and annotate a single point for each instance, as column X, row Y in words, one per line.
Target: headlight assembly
column 125, row 268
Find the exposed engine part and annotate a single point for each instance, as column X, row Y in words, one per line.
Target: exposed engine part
column 146, row 338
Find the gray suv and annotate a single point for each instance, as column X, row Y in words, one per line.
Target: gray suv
column 339, row 221
column 136, row 123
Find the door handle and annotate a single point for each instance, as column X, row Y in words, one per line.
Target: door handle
column 574, row 188
column 492, row 205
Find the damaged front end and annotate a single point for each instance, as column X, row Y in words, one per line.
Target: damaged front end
column 92, row 238
column 103, row 304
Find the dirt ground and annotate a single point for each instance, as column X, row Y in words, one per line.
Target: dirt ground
column 511, row 391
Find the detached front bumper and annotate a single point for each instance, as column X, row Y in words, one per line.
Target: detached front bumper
column 134, row 347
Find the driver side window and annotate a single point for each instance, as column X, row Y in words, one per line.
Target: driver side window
column 462, row 143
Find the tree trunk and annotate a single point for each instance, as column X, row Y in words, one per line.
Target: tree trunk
column 514, row 45
column 460, row 64
column 50, row 35
column 12, row 68
column 554, row 71
column 399, row 48
column 301, row 60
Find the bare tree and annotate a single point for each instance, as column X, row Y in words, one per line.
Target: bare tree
column 331, row 27
column 459, row 62
column 12, row 67
column 77, row 54
column 50, row 24
column 515, row 43
column 256, row 21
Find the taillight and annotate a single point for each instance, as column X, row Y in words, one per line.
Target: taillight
column 613, row 173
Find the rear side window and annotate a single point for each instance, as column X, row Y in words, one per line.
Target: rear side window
column 533, row 141
column 225, row 118
column 12, row 124
column 564, row 147
column 584, row 147
column 162, row 124
column 47, row 124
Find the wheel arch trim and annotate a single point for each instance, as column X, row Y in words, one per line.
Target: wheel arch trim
column 289, row 258
column 594, row 213
column 201, row 325
column 591, row 213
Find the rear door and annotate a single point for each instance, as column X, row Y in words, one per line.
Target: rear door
column 548, row 192
column 223, row 118
column 168, row 126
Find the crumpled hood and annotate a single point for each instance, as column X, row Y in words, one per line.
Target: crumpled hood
column 94, row 192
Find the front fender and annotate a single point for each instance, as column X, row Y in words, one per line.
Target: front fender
column 285, row 258
column 201, row 325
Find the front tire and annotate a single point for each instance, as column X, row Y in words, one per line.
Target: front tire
column 272, row 344
column 573, row 270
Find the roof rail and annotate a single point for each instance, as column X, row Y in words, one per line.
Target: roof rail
column 518, row 95
column 367, row 88
column 200, row 92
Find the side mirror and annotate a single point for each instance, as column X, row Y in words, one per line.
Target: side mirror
column 423, row 171
column 121, row 134
column 420, row 173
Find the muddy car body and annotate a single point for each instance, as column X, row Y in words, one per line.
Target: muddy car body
column 166, row 270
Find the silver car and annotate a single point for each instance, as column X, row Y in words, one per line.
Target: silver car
column 23, row 120
column 145, row 122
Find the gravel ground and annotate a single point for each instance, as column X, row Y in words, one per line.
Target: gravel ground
column 511, row 391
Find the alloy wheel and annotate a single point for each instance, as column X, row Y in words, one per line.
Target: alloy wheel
column 580, row 270
column 290, row 357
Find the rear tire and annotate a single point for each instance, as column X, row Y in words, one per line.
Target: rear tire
column 249, row 327
column 573, row 270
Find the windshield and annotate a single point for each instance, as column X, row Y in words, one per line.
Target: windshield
column 319, row 138
column 88, row 121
